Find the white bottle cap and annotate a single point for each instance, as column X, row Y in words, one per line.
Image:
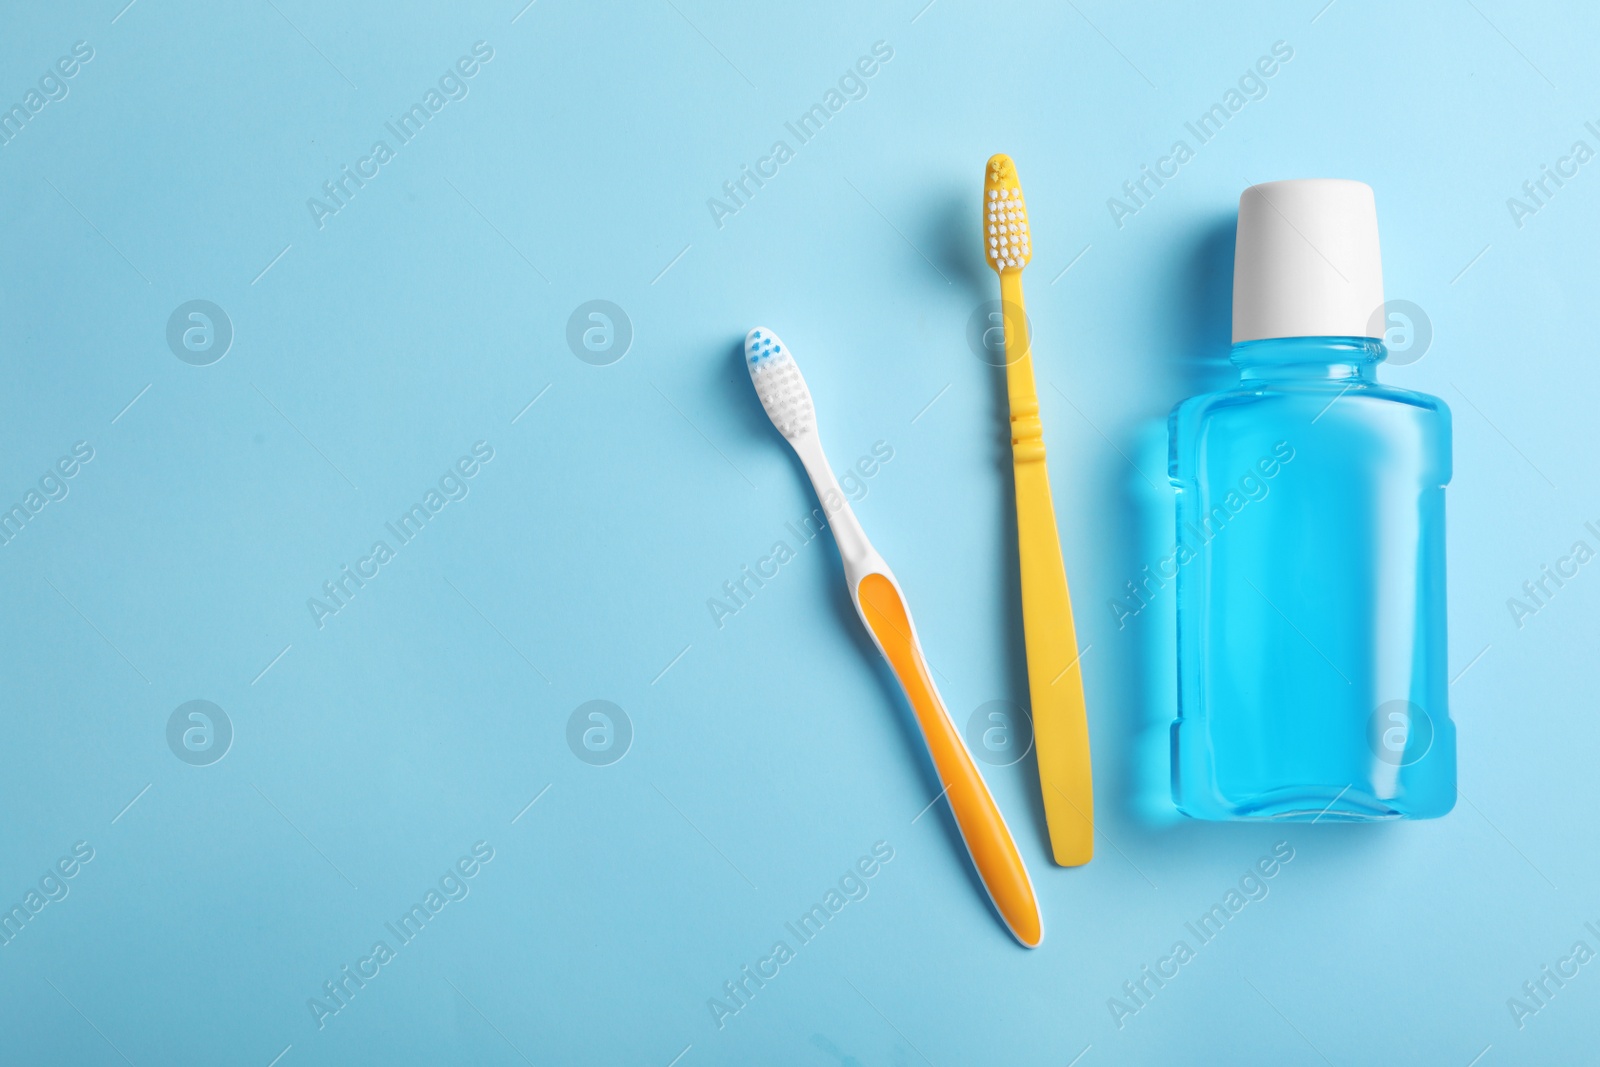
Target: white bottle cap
column 1306, row 261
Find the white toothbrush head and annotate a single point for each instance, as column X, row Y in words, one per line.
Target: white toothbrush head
column 779, row 384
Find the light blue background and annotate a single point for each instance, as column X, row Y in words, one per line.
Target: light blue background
column 774, row 751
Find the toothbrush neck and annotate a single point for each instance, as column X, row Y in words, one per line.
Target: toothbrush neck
column 854, row 548
column 1342, row 359
column 1027, row 432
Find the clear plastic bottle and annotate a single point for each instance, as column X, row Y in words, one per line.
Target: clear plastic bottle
column 1311, row 572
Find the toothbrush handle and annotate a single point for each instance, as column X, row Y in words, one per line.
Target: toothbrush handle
column 983, row 828
column 1055, row 684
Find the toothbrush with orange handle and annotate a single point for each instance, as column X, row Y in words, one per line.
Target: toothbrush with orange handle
column 1060, row 720
column 882, row 607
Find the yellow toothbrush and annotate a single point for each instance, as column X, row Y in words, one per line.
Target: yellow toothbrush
column 1060, row 722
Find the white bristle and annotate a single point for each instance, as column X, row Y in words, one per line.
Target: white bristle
column 1007, row 220
column 779, row 384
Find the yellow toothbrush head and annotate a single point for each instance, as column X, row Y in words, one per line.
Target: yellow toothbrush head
column 1005, row 219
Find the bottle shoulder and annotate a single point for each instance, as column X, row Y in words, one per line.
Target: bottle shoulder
column 1261, row 399
column 1342, row 420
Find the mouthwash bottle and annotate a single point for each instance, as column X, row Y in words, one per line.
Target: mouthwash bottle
column 1312, row 682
